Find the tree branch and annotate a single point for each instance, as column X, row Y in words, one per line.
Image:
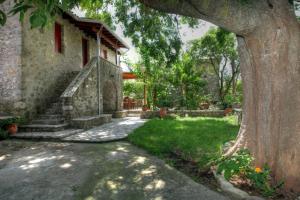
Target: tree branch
column 229, row 14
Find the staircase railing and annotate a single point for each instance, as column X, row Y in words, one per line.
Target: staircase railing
column 80, row 97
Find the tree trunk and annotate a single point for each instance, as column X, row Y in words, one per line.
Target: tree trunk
column 234, row 78
column 269, row 48
column 270, row 68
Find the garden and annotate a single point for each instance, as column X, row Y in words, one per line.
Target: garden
column 258, row 38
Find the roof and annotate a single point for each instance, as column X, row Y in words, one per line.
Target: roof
column 89, row 26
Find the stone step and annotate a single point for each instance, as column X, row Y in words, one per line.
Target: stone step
column 55, row 121
column 50, row 116
column 47, row 135
column 42, row 127
column 90, row 121
column 55, row 106
column 52, row 112
column 133, row 114
column 134, row 111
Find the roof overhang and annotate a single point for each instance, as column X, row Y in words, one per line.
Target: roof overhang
column 129, row 75
column 90, row 27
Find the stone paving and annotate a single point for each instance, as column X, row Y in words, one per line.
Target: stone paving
column 116, row 130
column 47, row 135
column 108, row 171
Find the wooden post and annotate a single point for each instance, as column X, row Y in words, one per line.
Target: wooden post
column 145, row 92
column 99, row 32
column 117, row 57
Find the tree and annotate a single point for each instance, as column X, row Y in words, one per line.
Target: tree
column 217, row 49
column 269, row 47
column 185, row 77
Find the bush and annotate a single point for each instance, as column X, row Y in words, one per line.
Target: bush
column 12, row 120
column 133, row 89
column 240, row 164
column 3, row 134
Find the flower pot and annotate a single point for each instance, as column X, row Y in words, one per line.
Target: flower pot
column 144, row 108
column 204, row 106
column 227, row 111
column 162, row 112
column 12, row 129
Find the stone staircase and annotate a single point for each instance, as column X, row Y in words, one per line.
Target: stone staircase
column 51, row 121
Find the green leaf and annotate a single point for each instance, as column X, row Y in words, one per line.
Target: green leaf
column 19, row 7
column 38, row 19
column 2, row 1
column 2, row 18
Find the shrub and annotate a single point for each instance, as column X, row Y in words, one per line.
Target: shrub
column 3, row 134
column 12, row 120
column 240, row 164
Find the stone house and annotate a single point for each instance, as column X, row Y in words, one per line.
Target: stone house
column 53, row 76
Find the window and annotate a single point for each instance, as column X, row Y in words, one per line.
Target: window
column 85, row 51
column 58, row 38
column 105, row 54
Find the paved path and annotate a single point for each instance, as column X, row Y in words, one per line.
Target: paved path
column 70, row 171
column 115, row 130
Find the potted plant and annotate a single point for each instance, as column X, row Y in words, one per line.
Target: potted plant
column 205, row 102
column 163, row 108
column 228, row 102
column 10, row 124
column 145, row 108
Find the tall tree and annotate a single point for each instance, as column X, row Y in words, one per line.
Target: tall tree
column 269, row 47
column 217, row 49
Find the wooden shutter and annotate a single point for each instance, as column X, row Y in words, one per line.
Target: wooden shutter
column 105, row 54
column 85, row 51
column 58, row 37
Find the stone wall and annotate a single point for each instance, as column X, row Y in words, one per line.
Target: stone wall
column 185, row 113
column 80, row 99
column 10, row 64
column 111, row 87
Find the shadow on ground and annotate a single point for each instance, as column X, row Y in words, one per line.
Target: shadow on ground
column 116, row 170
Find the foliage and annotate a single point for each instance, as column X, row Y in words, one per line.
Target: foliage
column 133, row 89
column 206, row 98
column 3, row 134
column 199, row 139
column 237, row 164
column 180, row 85
column 12, row 120
column 240, row 164
column 217, row 49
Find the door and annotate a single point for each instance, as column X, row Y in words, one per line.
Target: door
column 85, row 52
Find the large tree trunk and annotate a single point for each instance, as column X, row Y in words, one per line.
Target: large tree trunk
column 270, row 66
column 269, row 48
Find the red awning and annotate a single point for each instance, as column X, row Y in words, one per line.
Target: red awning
column 129, row 75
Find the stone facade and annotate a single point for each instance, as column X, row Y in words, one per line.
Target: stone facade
column 33, row 75
column 10, row 64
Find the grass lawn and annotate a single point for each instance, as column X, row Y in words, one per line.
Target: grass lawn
column 198, row 139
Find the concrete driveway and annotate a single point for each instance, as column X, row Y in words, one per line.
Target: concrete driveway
column 118, row 170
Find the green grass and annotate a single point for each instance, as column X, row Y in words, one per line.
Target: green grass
column 199, row 139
